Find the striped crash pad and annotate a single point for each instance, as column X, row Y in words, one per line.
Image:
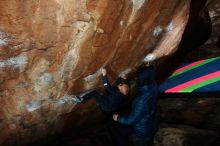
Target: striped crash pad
column 198, row 77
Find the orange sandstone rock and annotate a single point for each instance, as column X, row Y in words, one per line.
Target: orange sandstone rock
column 52, row 49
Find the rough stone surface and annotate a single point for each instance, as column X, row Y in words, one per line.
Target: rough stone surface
column 167, row 135
column 185, row 136
column 51, row 50
column 214, row 13
column 210, row 48
column 200, row 112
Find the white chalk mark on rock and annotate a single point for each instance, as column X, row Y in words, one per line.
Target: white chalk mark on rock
column 3, row 39
column 157, row 31
column 81, row 25
column 33, row 105
column 124, row 73
column 14, row 62
column 169, row 27
column 3, row 42
column 149, row 58
column 45, row 78
column 121, row 23
column 72, row 56
column 137, row 4
column 91, row 77
column 42, row 82
column 100, row 30
column 67, row 99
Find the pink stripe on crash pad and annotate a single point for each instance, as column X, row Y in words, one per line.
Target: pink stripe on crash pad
column 188, row 66
column 192, row 82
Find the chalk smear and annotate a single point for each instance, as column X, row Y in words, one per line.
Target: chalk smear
column 14, row 62
column 157, row 31
column 149, row 58
column 137, row 4
column 91, row 77
column 42, row 82
column 124, row 73
column 121, row 23
column 33, row 105
column 67, row 99
column 3, row 39
column 169, row 27
column 45, row 78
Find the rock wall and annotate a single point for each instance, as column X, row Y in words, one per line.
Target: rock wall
column 198, row 112
column 181, row 135
column 210, row 48
column 214, row 13
column 52, row 49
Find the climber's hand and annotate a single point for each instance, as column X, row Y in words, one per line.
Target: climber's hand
column 115, row 117
column 103, row 71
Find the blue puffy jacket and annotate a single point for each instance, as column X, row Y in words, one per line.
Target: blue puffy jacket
column 112, row 100
column 143, row 117
column 108, row 102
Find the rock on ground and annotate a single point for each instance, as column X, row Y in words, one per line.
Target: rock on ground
column 185, row 136
column 199, row 112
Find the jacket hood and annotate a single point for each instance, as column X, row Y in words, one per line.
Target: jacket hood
column 145, row 76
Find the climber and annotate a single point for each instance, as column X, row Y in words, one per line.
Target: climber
column 114, row 96
column 143, row 119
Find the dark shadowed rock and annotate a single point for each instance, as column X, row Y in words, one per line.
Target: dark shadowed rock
column 200, row 112
column 185, row 136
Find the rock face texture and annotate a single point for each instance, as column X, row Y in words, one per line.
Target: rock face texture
column 210, row 48
column 51, row 50
column 185, row 136
column 198, row 112
column 214, row 13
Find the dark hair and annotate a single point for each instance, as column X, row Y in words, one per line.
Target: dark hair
column 122, row 81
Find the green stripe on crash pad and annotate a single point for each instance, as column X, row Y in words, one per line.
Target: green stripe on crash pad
column 196, row 66
column 199, row 85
